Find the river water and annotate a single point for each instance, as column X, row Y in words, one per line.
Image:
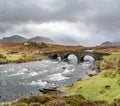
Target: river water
column 25, row 79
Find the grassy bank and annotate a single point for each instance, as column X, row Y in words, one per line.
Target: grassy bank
column 18, row 52
column 104, row 86
column 55, row 99
column 16, row 57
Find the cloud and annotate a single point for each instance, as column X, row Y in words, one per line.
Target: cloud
column 87, row 22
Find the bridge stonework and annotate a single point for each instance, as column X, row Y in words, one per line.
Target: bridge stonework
column 79, row 54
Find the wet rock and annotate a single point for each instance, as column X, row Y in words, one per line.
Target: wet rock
column 92, row 67
column 50, row 90
column 5, row 62
column 70, row 85
column 39, row 59
column 80, row 79
column 90, row 75
column 64, row 68
column 93, row 73
column 107, row 86
column 102, row 91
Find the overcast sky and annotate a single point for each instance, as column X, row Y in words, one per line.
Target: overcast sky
column 85, row 22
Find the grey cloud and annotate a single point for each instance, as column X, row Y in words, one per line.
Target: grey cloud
column 101, row 18
column 106, row 16
column 15, row 11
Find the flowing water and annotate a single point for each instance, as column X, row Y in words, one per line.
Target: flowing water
column 25, row 79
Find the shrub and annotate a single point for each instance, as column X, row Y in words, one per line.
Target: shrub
column 76, row 100
column 35, row 104
column 40, row 99
column 42, row 45
column 20, row 104
column 39, row 45
column 108, row 73
column 57, row 103
column 2, row 56
column 116, row 102
column 24, row 100
column 106, row 65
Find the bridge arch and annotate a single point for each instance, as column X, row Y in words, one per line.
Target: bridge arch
column 79, row 54
column 66, row 57
column 55, row 56
column 87, row 57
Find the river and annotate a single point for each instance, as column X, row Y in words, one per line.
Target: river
column 25, row 79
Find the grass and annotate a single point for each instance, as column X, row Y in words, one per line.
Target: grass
column 93, row 88
column 17, row 57
column 108, row 49
column 112, row 57
column 13, row 57
column 112, row 61
column 55, row 99
column 100, row 90
column 18, row 52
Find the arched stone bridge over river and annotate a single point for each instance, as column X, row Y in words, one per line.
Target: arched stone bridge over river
column 79, row 54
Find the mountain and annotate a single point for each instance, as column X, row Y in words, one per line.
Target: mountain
column 107, row 43
column 39, row 39
column 15, row 38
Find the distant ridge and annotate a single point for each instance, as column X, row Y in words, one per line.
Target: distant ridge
column 107, row 43
column 14, row 38
column 39, row 39
column 19, row 39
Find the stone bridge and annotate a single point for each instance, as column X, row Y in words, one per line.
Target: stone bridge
column 79, row 54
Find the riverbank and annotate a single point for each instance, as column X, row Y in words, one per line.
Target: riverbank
column 104, row 86
column 20, row 53
column 100, row 90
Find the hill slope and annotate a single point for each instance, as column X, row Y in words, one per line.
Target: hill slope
column 18, row 39
column 39, row 39
column 15, row 38
column 107, row 43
